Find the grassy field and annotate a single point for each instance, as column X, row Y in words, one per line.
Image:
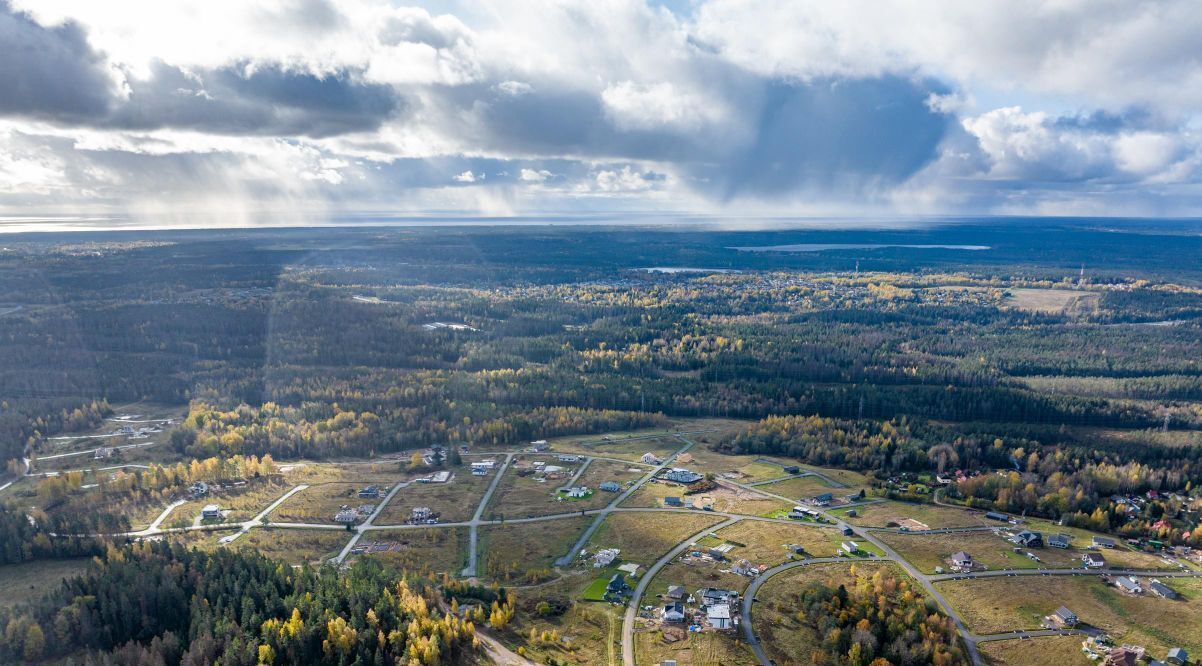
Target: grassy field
column 645, row 537
column 745, row 469
column 240, row 503
column 589, row 632
column 318, row 504
column 30, row 580
column 428, row 551
column 294, row 546
column 1120, row 556
column 728, row 500
column 763, row 542
column 1068, row 301
column 508, row 552
column 526, row 496
column 784, row 639
column 927, row 551
column 881, row 514
column 1005, row 604
column 619, row 446
column 803, row 487
column 1045, row 651
column 454, row 501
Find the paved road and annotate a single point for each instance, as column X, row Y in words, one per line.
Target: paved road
column 601, row 514
column 367, row 523
column 995, row 573
column 258, row 520
column 632, row 609
column 473, row 555
column 93, row 451
column 588, row 460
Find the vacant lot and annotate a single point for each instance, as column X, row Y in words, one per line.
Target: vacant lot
column 774, row 613
column 764, row 543
column 294, row 546
column 744, row 469
column 645, row 537
column 710, row 648
column 1053, row 300
column 28, row 581
column 426, row 551
column 589, row 632
column 1004, row 604
column 888, row 514
column 619, row 446
column 524, row 553
column 729, row 500
column 803, row 487
column 1059, row 650
column 454, row 501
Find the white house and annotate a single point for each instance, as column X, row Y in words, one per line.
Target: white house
column 851, row 547
column 651, row 459
column 578, row 491
column 210, row 512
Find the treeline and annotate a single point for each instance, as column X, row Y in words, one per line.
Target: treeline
column 324, row 430
column 25, row 422
column 158, row 603
column 25, row 537
column 879, row 621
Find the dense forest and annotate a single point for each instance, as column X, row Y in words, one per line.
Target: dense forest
column 161, row 604
column 879, row 621
column 358, row 342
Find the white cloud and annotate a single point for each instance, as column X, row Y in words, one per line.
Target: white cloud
column 534, row 176
column 468, row 177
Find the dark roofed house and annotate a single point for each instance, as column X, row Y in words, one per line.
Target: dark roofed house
column 610, row 487
column 617, row 588
column 1029, row 539
column 1178, row 656
column 674, row 612
column 1093, row 560
column 1103, row 542
column 1065, row 617
column 792, row 469
column 1161, row 590
column 676, row 592
column 823, row 499
column 683, row 476
column 962, row 560
column 673, row 501
column 1059, row 540
column 994, row 515
column 713, row 595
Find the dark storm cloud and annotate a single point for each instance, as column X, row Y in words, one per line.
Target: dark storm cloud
column 262, row 100
column 835, row 135
column 53, row 74
column 829, row 134
column 49, row 72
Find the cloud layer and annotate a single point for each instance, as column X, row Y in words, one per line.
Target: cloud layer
column 727, row 106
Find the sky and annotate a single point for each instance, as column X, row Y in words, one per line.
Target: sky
column 232, row 112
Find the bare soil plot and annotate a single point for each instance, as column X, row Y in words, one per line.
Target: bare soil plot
column 524, row 553
column 725, row 499
column 645, row 537
column 426, row 551
column 774, row 614
column 30, row 580
column 294, row 546
column 889, row 513
column 1044, row 651
column 454, row 501
column 994, row 605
